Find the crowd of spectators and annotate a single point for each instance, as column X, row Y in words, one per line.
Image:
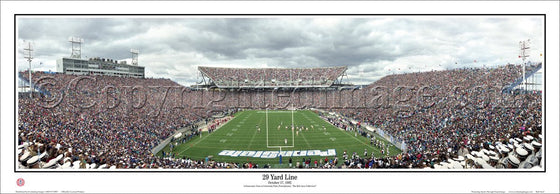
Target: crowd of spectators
column 103, row 122
column 96, row 125
column 239, row 77
column 455, row 119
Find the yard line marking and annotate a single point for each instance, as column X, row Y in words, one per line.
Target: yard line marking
column 252, row 138
column 304, row 139
column 254, row 134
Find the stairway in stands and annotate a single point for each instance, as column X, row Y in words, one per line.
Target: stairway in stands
column 529, row 71
column 25, row 80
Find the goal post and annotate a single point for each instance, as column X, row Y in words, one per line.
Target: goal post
column 267, row 114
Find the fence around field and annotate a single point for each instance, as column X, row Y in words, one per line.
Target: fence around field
column 395, row 141
column 401, row 145
column 164, row 143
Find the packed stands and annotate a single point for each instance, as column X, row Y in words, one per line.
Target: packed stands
column 272, row 77
column 466, row 122
column 115, row 131
column 454, row 121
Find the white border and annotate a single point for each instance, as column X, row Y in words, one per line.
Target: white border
column 233, row 182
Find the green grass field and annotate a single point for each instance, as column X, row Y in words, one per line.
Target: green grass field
column 241, row 134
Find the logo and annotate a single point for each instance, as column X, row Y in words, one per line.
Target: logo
column 20, row 182
column 275, row 154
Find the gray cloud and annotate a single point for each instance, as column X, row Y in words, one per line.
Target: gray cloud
column 174, row 47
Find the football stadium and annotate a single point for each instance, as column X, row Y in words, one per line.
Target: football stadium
column 86, row 117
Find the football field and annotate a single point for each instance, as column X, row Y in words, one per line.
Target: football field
column 260, row 136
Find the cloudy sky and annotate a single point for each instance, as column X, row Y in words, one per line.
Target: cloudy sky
column 371, row 46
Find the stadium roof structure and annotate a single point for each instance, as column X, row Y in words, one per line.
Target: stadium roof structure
column 318, row 77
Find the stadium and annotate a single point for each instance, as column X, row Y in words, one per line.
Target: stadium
column 288, row 118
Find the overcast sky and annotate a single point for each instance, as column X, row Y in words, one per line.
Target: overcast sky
column 371, row 47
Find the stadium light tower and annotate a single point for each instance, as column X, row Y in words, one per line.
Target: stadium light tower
column 29, row 58
column 134, row 53
column 361, row 77
column 523, row 54
column 76, row 47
